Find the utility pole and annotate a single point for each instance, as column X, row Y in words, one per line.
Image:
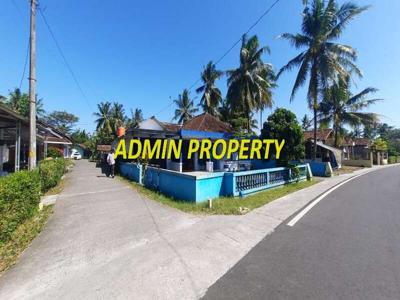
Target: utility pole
column 32, row 88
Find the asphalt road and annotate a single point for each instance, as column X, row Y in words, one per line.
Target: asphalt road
column 346, row 247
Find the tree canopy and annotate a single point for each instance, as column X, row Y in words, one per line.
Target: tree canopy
column 283, row 125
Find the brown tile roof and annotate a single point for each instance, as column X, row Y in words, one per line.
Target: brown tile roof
column 207, row 122
column 322, row 134
column 54, row 139
column 170, row 126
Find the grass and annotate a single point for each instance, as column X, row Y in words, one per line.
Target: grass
column 224, row 205
column 57, row 189
column 346, row 170
column 22, row 237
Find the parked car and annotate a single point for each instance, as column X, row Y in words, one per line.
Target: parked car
column 76, row 155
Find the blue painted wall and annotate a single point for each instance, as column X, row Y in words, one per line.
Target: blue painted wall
column 131, row 171
column 320, row 168
column 187, row 187
column 173, row 184
column 210, row 187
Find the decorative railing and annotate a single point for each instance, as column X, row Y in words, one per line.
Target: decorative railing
column 253, row 181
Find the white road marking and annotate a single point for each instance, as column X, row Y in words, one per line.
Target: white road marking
column 316, row 201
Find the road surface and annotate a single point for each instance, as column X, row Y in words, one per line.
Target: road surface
column 346, row 247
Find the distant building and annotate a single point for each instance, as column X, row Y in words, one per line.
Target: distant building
column 14, row 140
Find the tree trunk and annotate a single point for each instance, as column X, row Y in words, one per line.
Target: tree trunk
column 336, row 136
column 315, row 132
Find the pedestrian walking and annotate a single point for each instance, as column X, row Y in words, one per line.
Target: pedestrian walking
column 111, row 162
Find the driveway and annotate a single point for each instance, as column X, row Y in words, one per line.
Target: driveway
column 106, row 241
column 346, row 247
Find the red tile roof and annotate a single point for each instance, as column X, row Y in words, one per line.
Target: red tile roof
column 207, row 122
column 322, row 134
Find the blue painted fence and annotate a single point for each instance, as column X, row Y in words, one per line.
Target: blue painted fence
column 247, row 182
column 131, row 171
column 211, row 185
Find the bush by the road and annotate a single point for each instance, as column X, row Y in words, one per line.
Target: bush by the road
column 54, row 152
column 51, row 172
column 19, row 200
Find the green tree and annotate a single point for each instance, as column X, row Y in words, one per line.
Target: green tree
column 104, row 122
column 380, row 145
column 136, row 118
column 80, row 136
column 322, row 60
column 19, row 102
column 340, row 107
column 224, row 111
column 186, row 109
column 118, row 117
column 305, row 123
column 62, row 120
column 250, row 85
column 212, row 96
column 283, row 125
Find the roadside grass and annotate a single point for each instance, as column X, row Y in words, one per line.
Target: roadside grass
column 22, row 237
column 346, row 170
column 224, row 205
column 57, row 189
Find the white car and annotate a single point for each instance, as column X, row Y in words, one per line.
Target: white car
column 76, row 155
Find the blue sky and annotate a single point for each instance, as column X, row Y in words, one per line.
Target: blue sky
column 142, row 53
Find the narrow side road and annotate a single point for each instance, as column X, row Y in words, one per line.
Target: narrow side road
column 346, row 247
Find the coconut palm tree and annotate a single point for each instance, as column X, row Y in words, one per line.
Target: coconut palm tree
column 186, row 109
column 104, row 119
column 136, row 118
column 117, row 115
column 340, row 107
column 322, row 60
column 250, row 85
column 212, row 96
column 19, row 102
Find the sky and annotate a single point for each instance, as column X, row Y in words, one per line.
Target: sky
column 144, row 53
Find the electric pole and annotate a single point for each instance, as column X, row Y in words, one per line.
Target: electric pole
column 32, row 88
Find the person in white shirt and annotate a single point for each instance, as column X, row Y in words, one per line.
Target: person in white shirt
column 111, row 162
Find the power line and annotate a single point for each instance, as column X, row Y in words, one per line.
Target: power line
column 17, row 7
column 64, row 58
column 266, row 12
column 25, row 64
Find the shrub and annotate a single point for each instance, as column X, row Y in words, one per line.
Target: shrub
column 51, row 172
column 19, row 199
column 54, row 152
column 392, row 159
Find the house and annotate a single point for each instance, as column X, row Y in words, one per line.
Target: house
column 204, row 126
column 358, row 151
column 356, row 148
column 14, row 140
column 196, row 179
column 325, row 152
